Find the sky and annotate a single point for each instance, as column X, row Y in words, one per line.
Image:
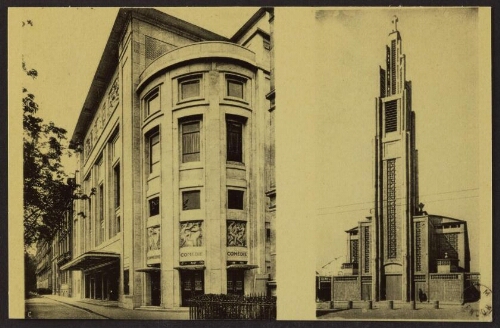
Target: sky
column 65, row 45
column 441, row 48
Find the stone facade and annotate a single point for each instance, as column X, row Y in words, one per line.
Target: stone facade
column 175, row 146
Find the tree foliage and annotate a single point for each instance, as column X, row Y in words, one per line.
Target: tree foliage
column 46, row 195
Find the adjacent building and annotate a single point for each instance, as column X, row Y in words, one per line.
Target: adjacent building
column 401, row 252
column 175, row 192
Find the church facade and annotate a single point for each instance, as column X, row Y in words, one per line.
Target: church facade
column 401, row 252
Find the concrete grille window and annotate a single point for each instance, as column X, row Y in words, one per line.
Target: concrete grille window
column 391, row 208
column 235, row 199
column 154, row 206
column 418, row 247
column 154, row 153
column 189, row 88
column 354, row 251
column 191, row 200
column 191, row 142
column 367, row 249
column 153, row 103
column 234, row 141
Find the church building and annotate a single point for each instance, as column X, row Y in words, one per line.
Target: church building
column 401, row 252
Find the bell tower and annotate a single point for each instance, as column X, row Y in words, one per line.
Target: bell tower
column 396, row 177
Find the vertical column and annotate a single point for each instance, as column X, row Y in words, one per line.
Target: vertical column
column 169, row 221
column 215, row 222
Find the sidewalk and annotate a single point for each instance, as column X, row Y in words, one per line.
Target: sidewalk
column 110, row 310
column 402, row 311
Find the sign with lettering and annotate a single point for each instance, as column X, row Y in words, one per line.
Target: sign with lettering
column 237, row 254
column 190, row 254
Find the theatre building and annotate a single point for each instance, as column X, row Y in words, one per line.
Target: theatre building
column 401, row 252
column 175, row 145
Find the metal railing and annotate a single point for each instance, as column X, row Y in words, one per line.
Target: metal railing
column 248, row 307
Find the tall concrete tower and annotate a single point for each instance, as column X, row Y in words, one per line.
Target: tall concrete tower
column 396, row 178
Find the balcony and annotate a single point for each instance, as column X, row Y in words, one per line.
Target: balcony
column 447, row 265
column 350, row 268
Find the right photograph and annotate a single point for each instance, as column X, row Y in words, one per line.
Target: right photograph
column 404, row 211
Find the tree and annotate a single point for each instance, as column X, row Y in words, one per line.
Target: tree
column 46, row 195
column 29, row 274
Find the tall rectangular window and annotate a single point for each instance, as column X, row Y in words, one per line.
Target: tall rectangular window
column 268, row 232
column 116, row 178
column 189, row 88
column 191, row 200
column 154, row 206
column 101, row 213
column 153, row 103
column 235, row 199
column 393, row 67
column 116, row 146
column 191, row 142
column 154, row 153
column 234, row 141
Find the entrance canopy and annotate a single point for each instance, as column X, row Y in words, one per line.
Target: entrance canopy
column 91, row 259
column 242, row 266
column 148, row 269
column 190, row 267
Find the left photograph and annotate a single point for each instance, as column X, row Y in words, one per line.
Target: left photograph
column 149, row 171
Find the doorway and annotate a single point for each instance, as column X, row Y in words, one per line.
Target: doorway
column 192, row 284
column 393, row 287
column 155, row 278
column 235, row 282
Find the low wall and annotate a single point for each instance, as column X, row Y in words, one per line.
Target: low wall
column 447, row 287
column 346, row 288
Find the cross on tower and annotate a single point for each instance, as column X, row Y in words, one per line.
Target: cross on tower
column 395, row 22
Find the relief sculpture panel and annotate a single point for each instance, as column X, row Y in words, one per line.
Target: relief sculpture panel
column 236, row 233
column 191, row 234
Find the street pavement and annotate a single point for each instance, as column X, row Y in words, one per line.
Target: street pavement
column 60, row 307
column 45, row 308
column 467, row 312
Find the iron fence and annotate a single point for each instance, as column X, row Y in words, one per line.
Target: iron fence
column 248, row 307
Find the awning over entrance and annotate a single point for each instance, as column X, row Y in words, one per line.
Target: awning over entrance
column 91, row 259
column 148, row 269
column 190, row 267
column 242, row 266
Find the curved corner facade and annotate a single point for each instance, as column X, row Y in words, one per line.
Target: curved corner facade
column 176, row 155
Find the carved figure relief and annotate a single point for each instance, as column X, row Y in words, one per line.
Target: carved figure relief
column 191, row 234
column 154, row 240
column 236, row 233
column 114, row 96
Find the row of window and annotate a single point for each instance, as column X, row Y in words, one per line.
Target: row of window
column 191, row 201
column 190, row 145
column 190, row 88
column 94, row 208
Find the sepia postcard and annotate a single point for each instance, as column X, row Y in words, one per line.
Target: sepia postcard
column 152, row 149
